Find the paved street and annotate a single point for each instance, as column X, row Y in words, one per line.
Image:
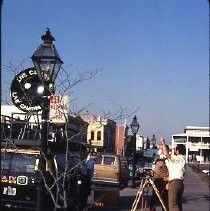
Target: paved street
column 196, row 196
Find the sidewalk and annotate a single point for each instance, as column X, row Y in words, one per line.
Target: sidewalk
column 196, row 194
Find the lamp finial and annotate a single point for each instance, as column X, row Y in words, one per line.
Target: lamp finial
column 48, row 38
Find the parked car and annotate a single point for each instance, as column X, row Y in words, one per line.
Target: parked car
column 110, row 170
column 206, row 171
column 19, row 179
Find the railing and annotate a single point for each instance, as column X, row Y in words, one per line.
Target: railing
column 199, row 145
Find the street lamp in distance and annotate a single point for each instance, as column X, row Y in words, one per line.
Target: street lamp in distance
column 134, row 127
column 47, row 63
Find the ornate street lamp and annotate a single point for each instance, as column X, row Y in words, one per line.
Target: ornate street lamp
column 46, row 59
column 47, row 63
column 134, row 127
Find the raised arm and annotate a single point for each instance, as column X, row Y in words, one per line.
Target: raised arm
column 164, row 148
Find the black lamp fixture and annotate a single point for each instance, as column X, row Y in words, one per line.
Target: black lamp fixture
column 134, row 125
column 46, row 59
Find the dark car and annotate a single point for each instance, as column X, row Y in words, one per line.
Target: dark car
column 19, row 179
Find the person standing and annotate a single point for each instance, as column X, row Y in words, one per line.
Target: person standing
column 89, row 165
column 176, row 165
column 160, row 180
column 87, row 177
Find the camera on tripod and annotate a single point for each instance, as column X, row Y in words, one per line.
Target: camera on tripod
column 147, row 170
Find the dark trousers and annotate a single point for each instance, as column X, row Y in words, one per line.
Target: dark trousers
column 85, row 188
column 160, row 185
column 176, row 189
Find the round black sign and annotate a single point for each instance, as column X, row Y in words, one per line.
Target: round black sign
column 27, row 90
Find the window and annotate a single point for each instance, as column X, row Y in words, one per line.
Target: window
column 194, row 139
column 71, row 160
column 98, row 160
column 92, row 135
column 206, row 140
column 109, row 160
column 99, row 135
column 180, row 139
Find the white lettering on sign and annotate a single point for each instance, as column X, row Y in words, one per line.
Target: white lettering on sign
column 15, row 97
column 9, row 191
column 28, row 108
column 32, row 72
column 21, row 77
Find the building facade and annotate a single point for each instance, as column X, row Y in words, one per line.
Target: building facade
column 197, row 143
column 19, row 125
column 100, row 132
column 121, row 138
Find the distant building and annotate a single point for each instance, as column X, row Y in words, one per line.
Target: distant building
column 130, row 144
column 121, row 138
column 153, row 142
column 146, row 144
column 100, row 132
column 197, row 143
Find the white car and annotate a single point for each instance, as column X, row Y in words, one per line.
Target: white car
column 205, row 171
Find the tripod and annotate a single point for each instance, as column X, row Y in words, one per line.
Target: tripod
column 147, row 181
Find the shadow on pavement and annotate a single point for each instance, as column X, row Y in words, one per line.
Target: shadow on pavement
column 125, row 203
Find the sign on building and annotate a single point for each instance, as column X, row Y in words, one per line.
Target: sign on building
column 59, row 106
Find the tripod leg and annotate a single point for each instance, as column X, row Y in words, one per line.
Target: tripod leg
column 157, row 193
column 138, row 196
column 144, row 203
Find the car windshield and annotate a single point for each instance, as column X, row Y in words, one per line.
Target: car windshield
column 17, row 162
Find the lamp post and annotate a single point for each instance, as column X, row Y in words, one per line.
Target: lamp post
column 47, row 63
column 134, row 127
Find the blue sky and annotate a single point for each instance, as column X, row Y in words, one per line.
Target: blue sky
column 153, row 54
